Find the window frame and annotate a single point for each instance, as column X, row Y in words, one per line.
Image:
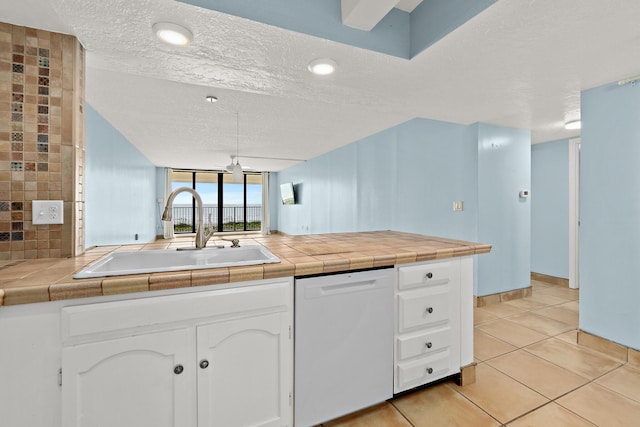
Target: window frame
column 220, row 202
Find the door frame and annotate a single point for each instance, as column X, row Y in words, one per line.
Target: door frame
column 574, row 213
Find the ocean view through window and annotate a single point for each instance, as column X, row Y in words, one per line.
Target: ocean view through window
column 228, row 206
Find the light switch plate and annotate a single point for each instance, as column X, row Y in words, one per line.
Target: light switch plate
column 48, row 212
column 457, row 206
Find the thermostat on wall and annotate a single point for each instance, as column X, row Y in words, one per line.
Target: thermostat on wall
column 524, row 194
column 47, row 212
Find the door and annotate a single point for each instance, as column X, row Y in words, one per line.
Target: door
column 244, row 372
column 144, row 380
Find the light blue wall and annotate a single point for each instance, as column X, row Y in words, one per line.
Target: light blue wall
column 504, row 169
column 437, row 165
column 120, row 193
column 406, row 179
column 434, row 19
column 550, row 208
column 610, row 213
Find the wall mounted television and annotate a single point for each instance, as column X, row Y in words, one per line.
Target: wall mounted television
column 287, row 194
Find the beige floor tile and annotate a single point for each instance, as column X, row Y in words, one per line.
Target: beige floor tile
column 535, row 284
column 382, row 415
column 572, row 305
column 544, row 298
column 526, row 303
column 577, row 359
column 544, row 377
column 571, row 337
column 502, row 309
column 557, row 291
column 563, row 313
column 442, row 406
column 624, row 380
column 551, row 415
column 486, row 346
column 544, row 325
column 480, row 315
column 501, row 396
column 602, row 407
column 511, row 332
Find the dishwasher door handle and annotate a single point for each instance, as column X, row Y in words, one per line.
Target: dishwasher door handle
column 325, row 290
column 348, row 287
column 325, row 286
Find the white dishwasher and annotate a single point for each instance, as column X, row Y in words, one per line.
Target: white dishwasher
column 344, row 326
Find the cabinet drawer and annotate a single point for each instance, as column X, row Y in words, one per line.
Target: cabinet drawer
column 424, row 370
column 424, row 308
column 424, row 343
column 438, row 273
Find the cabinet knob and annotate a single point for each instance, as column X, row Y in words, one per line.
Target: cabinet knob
column 178, row 369
column 429, row 371
column 429, row 345
column 429, row 310
column 204, row 363
column 429, row 275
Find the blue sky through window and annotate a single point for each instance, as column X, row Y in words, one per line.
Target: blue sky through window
column 209, row 193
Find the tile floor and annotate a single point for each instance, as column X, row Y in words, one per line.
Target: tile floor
column 530, row 372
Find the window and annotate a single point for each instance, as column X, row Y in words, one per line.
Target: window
column 228, row 206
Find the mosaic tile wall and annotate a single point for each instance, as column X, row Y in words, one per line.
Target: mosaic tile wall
column 41, row 141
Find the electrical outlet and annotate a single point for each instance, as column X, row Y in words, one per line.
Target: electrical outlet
column 457, row 206
column 48, row 212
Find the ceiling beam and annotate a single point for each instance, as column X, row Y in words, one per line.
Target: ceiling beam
column 365, row 14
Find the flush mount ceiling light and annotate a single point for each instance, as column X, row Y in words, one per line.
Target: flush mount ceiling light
column 322, row 66
column 211, row 99
column 573, row 125
column 173, row 34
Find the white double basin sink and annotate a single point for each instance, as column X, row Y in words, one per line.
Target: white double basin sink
column 153, row 261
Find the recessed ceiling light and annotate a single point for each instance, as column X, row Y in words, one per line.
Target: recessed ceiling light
column 211, row 98
column 322, row 67
column 172, row 33
column 573, row 125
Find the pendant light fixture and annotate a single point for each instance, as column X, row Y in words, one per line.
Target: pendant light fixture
column 237, row 174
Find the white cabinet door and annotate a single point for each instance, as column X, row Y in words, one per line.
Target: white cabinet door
column 244, row 372
column 144, row 380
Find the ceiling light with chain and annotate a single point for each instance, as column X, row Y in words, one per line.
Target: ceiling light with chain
column 237, row 174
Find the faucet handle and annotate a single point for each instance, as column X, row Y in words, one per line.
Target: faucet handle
column 235, row 243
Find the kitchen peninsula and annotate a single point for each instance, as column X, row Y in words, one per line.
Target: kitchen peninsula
column 105, row 351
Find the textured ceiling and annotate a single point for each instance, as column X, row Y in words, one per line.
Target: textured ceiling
column 518, row 64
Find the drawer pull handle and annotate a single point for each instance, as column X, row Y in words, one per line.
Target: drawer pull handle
column 429, row 371
column 429, row 275
column 429, row 310
column 178, row 369
column 429, row 345
column 204, row 363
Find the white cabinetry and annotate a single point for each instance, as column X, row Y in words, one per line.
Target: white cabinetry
column 214, row 358
column 130, row 381
column 428, row 336
column 243, row 385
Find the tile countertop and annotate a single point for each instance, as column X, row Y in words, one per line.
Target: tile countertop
column 41, row 280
